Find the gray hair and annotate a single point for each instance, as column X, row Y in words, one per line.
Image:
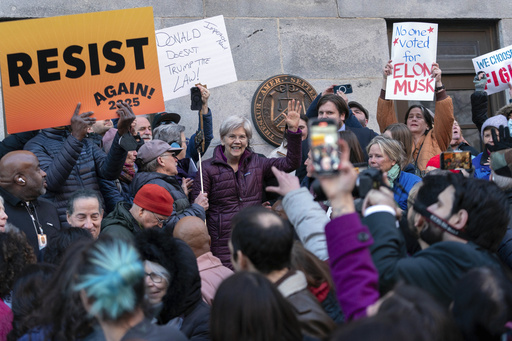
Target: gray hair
column 2, row 200
column 169, row 133
column 392, row 148
column 151, row 166
column 158, row 269
column 233, row 123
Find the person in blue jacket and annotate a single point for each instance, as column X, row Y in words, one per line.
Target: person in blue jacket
column 389, row 156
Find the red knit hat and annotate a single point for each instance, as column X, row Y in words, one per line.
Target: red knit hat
column 155, row 199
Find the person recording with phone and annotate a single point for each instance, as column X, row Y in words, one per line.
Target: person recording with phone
column 463, row 228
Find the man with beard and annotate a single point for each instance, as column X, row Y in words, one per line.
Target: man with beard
column 22, row 182
column 463, row 230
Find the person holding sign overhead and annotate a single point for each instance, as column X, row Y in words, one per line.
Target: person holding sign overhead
column 73, row 162
column 429, row 140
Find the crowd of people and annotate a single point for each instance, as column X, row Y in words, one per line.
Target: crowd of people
column 112, row 230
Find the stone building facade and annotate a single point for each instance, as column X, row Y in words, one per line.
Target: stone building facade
column 323, row 41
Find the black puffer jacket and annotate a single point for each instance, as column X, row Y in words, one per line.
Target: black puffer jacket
column 183, row 298
column 181, row 207
column 71, row 165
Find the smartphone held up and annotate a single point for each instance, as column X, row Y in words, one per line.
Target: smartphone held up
column 324, row 148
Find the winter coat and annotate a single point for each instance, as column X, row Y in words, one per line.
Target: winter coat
column 505, row 248
column 308, row 219
column 183, row 299
column 436, row 140
column 147, row 331
column 353, row 272
column 71, row 165
column 435, row 269
column 208, row 137
column 313, row 320
column 212, row 273
column 229, row 192
column 120, row 223
column 181, row 206
column 481, row 171
column 407, row 181
column 44, row 211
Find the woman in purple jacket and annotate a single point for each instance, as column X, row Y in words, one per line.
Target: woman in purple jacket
column 233, row 177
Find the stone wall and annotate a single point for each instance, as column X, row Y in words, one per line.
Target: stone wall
column 323, row 41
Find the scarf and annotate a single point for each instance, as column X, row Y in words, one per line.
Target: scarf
column 393, row 174
column 127, row 173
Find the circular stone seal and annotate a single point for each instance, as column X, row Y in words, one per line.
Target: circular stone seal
column 270, row 102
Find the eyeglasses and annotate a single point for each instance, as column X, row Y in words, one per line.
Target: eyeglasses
column 155, row 278
column 169, row 154
column 160, row 221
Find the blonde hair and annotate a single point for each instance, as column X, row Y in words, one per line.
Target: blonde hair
column 392, row 148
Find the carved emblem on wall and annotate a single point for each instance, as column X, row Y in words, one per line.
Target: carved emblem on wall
column 270, row 101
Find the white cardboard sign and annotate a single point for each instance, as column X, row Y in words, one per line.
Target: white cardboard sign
column 196, row 52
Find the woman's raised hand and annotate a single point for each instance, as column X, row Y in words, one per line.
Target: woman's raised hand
column 293, row 115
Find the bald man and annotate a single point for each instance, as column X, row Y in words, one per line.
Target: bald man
column 193, row 231
column 22, row 182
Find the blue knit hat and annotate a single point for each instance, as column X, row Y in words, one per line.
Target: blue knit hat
column 495, row 121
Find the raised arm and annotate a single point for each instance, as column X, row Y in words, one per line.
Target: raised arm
column 443, row 119
column 354, row 275
column 110, row 166
column 207, row 127
column 59, row 166
column 305, row 214
column 293, row 157
column 385, row 109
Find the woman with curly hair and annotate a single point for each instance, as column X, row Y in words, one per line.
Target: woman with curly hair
column 15, row 254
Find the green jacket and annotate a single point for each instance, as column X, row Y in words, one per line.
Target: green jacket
column 120, row 223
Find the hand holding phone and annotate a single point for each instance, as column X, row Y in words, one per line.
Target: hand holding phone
column 345, row 88
column 195, row 98
column 456, row 160
column 323, row 134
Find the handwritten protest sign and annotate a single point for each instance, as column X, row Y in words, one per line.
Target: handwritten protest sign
column 49, row 65
column 196, row 52
column 498, row 67
column 413, row 50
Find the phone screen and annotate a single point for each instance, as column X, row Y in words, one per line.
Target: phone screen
column 324, row 146
column 455, row 160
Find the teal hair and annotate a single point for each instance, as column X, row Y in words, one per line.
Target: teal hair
column 111, row 277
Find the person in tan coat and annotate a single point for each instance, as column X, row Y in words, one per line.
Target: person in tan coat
column 429, row 139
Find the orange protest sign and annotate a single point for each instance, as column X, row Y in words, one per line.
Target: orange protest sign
column 49, row 65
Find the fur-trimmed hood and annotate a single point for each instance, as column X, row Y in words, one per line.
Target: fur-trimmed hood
column 505, row 111
column 184, row 291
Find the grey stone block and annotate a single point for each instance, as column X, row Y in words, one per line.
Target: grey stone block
column 271, row 8
column 49, row 8
column 161, row 23
column 255, row 47
column 505, row 28
column 425, row 9
column 333, row 48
